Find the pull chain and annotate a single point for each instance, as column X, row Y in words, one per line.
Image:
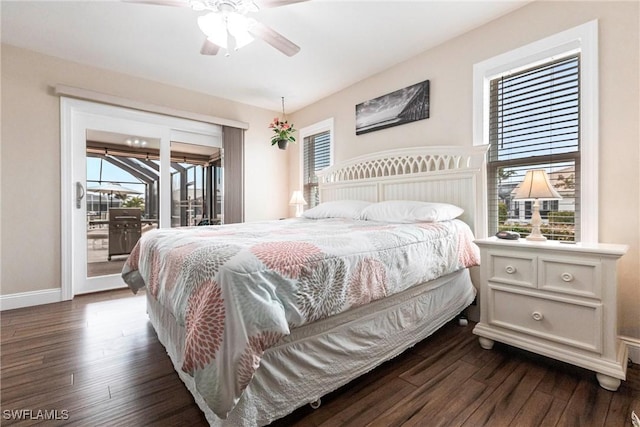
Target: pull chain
column 284, row 116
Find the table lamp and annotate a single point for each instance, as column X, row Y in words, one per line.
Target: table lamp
column 298, row 201
column 536, row 187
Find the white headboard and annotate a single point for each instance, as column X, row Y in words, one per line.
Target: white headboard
column 448, row 174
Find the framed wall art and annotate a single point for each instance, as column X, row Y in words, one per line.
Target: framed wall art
column 393, row 109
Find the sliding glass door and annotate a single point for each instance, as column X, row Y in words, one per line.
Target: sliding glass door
column 118, row 172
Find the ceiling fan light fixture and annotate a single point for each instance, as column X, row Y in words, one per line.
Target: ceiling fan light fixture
column 242, row 39
column 215, row 28
column 238, row 26
column 223, row 32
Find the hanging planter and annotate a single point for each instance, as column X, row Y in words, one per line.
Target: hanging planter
column 282, row 144
column 283, row 131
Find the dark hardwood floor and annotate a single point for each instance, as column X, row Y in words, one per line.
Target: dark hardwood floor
column 96, row 361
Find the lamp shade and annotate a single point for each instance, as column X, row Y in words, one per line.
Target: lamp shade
column 297, row 199
column 536, row 185
column 238, row 26
column 215, row 27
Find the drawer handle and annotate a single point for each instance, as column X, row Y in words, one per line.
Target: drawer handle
column 567, row 277
column 537, row 316
column 510, row 269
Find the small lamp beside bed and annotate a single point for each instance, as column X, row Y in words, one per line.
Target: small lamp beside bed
column 536, row 186
column 298, row 201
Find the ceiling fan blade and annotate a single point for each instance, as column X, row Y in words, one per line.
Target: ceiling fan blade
column 209, row 48
column 267, row 4
column 274, row 38
column 176, row 3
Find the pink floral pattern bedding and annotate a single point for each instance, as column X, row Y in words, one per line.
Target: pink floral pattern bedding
column 237, row 289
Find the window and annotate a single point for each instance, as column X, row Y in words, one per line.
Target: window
column 537, row 108
column 316, row 157
column 534, row 123
column 317, row 154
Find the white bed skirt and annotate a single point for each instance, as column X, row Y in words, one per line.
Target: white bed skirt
column 318, row 358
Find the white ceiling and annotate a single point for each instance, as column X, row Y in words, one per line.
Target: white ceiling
column 342, row 42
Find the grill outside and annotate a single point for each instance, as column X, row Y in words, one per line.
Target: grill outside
column 124, row 230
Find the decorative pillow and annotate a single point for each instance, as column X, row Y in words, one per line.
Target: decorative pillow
column 405, row 211
column 338, row 209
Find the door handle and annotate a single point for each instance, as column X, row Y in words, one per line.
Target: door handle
column 79, row 194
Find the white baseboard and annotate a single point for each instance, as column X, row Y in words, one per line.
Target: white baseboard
column 28, row 299
column 633, row 344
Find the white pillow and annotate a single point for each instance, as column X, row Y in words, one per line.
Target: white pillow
column 405, row 211
column 338, row 209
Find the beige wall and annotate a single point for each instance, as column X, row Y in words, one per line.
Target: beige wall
column 30, row 163
column 449, row 67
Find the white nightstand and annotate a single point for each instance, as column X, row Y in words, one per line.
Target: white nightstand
column 554, row 299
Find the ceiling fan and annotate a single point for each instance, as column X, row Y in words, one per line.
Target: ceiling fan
column 227, row 25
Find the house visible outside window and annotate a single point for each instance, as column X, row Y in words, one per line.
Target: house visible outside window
column 317, row 154
column 534, row 123
column 537, row 108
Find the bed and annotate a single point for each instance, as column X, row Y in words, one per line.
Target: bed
column 262, row 318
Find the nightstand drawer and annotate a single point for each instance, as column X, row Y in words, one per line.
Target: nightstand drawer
column 568, row 322
column 570, row 276
column 515, row 270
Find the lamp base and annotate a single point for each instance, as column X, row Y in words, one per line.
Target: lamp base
column 534, row 238
column 536, row 222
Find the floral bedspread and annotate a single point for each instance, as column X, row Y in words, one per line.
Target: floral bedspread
column 237, row 289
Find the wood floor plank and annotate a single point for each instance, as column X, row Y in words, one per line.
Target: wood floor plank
column 441, row 337
column 372, row 405
column 536, row 409
column 144, row 406
column 17, row 362
column 619, row 411
column 481, row 357
column 559, row 383
column 467, row 399
column 623, row 403
column 497, row 369
column 26, row 376
column 447, row 353
column 36, row 384
column 429, row 398
column 71, row 399
column 509, row 397
column 46, row 328
column 588, row 405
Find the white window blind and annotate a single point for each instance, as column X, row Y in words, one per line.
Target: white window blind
column 534, row 121
column 316, row 156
